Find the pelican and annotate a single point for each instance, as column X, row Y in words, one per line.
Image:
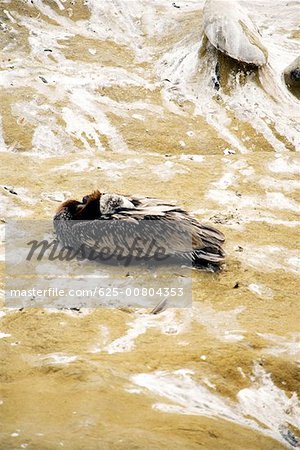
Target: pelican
column 111, row 220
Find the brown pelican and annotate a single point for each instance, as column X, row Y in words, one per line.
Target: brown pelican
column 112, row 220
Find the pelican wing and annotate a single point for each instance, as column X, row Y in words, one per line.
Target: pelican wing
column 133, row 236
column 145, row 202
column 149, row 229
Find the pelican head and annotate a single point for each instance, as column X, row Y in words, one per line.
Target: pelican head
column 87, row 209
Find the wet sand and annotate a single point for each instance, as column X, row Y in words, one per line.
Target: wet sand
column 125, row 103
